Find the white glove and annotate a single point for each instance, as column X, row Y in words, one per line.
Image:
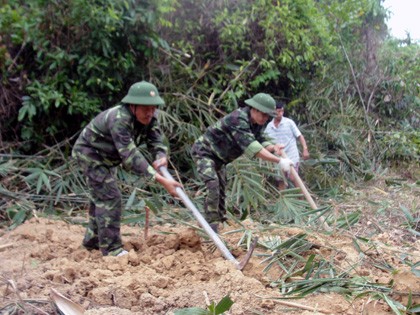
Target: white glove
column 285, row 164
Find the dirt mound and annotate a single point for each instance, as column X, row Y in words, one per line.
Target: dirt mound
column 175, row 268
column 171, row 269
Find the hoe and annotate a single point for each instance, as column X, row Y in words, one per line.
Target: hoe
column 203, row 223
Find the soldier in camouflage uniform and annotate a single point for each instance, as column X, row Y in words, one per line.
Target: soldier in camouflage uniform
column 109, row 140
column 240, row 132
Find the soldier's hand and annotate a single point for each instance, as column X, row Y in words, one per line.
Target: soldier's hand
column 169, row 184
column 171, row 187
column 278, row 148
column 160, row 162
column 285, row 164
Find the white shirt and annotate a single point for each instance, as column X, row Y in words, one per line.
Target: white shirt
column 286, row 133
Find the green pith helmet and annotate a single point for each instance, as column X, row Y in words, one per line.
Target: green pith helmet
column 264, row 103
column 143, row 93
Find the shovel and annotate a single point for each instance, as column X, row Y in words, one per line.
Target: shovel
column 203, row 223
column 305, row 192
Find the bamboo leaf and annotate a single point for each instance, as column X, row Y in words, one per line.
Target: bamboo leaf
column 18, row 214
column 416, row 269
column 35, row 172
column 46, row 181
column 65, row 305
column 308, row 265
column 392, row 304
column 415, row 309
column 39, row 184
column 224, row 305
column 133, row 219
column 356, row 245
column 130, row 200
column 414, row 232
column 7, row 167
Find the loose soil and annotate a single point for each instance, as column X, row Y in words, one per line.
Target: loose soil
column 175, row 267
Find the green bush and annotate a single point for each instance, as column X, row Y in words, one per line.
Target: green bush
column 73, row 59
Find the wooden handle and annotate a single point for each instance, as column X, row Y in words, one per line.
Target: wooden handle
column 305, row 191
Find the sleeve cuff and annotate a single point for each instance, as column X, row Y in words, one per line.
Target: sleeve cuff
column 253, row 149
column 151, row 173
column 160, row 155
column 267, row 143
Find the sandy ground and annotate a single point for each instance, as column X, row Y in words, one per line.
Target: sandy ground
column 175, row 268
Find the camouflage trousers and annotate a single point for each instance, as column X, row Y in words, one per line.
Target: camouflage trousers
column 213, row 173
column 103, row 230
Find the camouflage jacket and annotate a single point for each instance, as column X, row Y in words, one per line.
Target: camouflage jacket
column 112, row 138
column 232, row 136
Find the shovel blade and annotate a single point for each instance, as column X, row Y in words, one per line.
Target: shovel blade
column 241, row 265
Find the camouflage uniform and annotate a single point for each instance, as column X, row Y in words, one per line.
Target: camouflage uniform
column 109, row 140
column 229, row 138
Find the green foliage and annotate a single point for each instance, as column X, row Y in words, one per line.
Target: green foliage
column 14, row 214
column 304, row 273
column 49, row 184
column 401, row 146
column 361, row 95
column 237, row 49
column 348, row 219
column 245, row 188
column 18, row 213
column 223, row 306
column 413, row 225
column 251, row 46
column 39, row 177
column 354, row 96
column 76, row 57
column 63, row 62
column 398, row 97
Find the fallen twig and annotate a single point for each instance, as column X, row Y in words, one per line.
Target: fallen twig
column 146, row 222
column 5, row 246
column 301, row 306
column 21, row 301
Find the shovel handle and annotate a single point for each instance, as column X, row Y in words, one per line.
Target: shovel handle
column 305, row 191
column 300, row 183
column 203, row 223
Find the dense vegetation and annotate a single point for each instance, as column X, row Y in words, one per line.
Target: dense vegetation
column 352, row 89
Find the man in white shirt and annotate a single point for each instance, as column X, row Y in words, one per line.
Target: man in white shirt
column 284, row 130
